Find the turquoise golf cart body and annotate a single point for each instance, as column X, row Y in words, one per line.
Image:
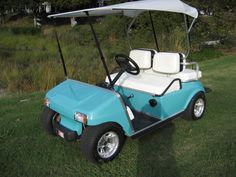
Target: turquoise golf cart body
column 103, row 105
column 151, row 89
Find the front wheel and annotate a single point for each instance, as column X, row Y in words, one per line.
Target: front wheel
column 102, row 143
column 47, row 118
column 196, row 107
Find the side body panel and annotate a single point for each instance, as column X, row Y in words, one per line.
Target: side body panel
column 167, row 105
column 103, row 105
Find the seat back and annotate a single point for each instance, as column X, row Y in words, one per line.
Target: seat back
column 167, row 63
column 143, row 58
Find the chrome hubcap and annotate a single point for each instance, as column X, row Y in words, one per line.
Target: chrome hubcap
column 108, row 144
column 199, row 107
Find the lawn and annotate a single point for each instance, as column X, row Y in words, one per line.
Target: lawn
column 181, row 149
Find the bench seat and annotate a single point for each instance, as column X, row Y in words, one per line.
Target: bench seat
column 146, row 82
column 157, row 71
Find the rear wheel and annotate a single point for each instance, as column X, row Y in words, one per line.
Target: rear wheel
column 196, row 107
column 47, row 118
column 102, row 143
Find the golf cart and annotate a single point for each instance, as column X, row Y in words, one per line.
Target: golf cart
column 150, row 89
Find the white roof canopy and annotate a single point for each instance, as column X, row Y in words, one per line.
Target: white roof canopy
column 134, row 8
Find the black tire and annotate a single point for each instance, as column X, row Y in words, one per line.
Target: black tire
column 47, row 120
column 91, row 137
column 190, row 112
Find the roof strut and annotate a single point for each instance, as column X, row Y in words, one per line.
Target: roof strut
column 128, row 31
column 153, row 30
column 99, row 47
column 61, row 55
column 186, row 21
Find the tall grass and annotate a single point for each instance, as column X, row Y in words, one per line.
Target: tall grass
column 29, row 59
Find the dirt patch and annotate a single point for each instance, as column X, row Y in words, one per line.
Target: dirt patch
column 231, row 51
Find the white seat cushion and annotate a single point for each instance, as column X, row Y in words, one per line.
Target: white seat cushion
column 164, row 62
column 142, row 58
column 187, row 75
column 146, row 82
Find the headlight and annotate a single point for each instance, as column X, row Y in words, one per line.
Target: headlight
column 46, row 102
column 80, row 117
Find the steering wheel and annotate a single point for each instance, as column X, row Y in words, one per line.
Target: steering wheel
column 127, row 64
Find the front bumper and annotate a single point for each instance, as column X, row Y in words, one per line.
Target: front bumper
column 64, row 132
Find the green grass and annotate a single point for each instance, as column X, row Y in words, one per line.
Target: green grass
column 206, row 53
column 181, row 149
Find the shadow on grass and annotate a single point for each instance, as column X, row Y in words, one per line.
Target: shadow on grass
column 156, row 155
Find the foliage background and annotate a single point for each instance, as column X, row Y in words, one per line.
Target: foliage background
column 29, row 60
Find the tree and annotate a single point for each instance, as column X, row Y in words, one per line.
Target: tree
column 215, row 6
column 218, row 21
column 72, row 4
column 4, row 5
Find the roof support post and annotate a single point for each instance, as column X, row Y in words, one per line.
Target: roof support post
column 153, row 30
column 128, row 31
column 61, row 55
column 187, row 34
column 99, row 48
column 191, row 26
column 60, row 51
